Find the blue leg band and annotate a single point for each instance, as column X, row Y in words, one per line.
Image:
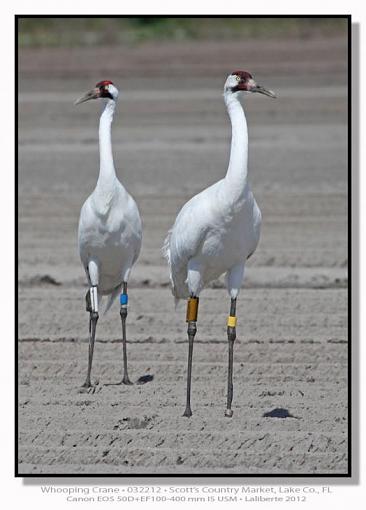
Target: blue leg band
column 123, row 299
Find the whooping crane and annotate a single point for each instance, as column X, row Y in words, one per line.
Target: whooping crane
column 217, row 230
column 110, row 230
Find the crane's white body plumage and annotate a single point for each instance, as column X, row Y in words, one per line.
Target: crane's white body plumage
column 110, row 229
column 109, row 238
column 218, row 229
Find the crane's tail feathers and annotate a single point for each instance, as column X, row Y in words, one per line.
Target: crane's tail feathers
column 167, row 255
column 176, row 282
column 166, row 247
column 112, row 296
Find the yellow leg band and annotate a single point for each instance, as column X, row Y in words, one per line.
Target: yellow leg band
column 192, row 309
column 231, row 321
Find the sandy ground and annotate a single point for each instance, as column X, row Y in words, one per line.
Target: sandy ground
column 171, row 139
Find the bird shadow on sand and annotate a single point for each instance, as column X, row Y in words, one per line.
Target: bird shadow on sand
column 279, row 412
column 141, row 380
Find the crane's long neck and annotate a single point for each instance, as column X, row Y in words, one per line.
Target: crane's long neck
column 107, row 173
column 237, row 172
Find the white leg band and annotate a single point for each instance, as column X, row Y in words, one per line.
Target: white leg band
column 94, row 299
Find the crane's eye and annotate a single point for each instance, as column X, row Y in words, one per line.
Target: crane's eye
column 237, row 78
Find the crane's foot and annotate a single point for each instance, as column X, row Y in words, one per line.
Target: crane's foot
column 126, row 380
column 89, row 391
column 87, row 384
column 187, row 413
column 229, row 413
column 88, row 387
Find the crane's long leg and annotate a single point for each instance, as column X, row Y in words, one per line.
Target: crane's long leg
column 191, row 319
column 231, row 335
column 123, row 313
column 91, row 307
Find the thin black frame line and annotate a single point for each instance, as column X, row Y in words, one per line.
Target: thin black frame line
column 16, row 219
column 181, row 475
column 265, row 16
column 349, row 239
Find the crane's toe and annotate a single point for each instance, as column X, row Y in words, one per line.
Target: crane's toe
column 85, row 388
column 187, row 413
column 88, row 387
column 126, row 380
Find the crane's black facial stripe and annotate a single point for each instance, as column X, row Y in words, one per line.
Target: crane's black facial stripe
column 105, row 93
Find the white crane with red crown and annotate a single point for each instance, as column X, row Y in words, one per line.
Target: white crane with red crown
column 110, row 230
column 217, row 230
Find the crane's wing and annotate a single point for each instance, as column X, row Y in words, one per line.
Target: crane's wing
column 185, row 238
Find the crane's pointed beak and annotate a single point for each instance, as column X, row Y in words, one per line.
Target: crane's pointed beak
column 262, row 90
column 92, row 94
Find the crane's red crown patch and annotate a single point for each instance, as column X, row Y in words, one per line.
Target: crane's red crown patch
column 104, row 83
column 244, row 75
